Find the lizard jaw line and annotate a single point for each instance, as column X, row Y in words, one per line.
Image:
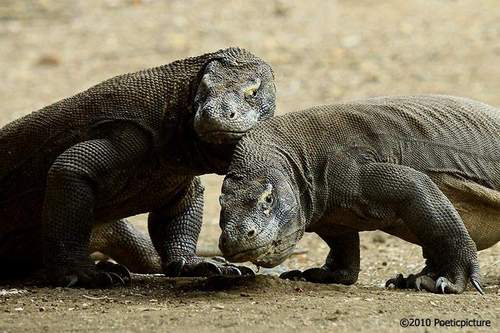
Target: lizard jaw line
column 221, row 136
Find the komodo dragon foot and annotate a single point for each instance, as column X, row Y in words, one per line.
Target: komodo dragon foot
column 322, row 275
column 196, row 266
column 103, row 275
column 453, row 282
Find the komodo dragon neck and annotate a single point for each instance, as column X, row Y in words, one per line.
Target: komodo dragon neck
column 308, row 173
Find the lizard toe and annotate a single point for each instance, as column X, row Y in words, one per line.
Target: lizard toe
column 98, row 280
column 294, row 275
column 317, row 275
column 220, row 259
column 427, row 281
column 204, row 268
column 174, row 268
column 419, row 282
column 71, row 280
column 424, row 282
column 445, row 286
column 85, row 279
column 233, row 270
column 119, row 272
column 397, row 282
column 325, row 275
column 245, row 271
column 117, row 279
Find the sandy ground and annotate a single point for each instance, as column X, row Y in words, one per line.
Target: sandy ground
column 322, row 52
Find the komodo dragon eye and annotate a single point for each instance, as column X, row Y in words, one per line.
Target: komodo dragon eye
column 269, row 199
column 266, row 204
column 251, row 90
column 266, row 199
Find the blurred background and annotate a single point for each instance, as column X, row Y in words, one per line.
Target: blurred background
column 321, row 51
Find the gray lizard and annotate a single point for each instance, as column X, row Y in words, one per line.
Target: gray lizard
column 132, row 144
column 423, row 168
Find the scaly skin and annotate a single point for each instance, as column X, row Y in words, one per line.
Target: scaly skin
column 132, row 144
column 423, row 168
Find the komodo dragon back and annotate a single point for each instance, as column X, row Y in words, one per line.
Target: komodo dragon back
column 70, row 119
column 141, row 98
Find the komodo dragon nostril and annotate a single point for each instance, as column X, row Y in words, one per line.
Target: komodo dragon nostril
column 251, row 233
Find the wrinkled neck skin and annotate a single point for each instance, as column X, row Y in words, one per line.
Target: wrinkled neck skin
column 181, row 148
column 185, row 152
column 214, row 158
column 311, row 180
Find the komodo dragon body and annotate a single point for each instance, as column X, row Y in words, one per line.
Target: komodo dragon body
column 132, row 144
column 423, row 168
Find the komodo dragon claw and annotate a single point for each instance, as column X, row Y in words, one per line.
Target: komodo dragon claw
column 477, row 285
column 399, row 282
column 117, row 271
column 294, row 275
column 205, row 268
column 321, row 275
column 215, row 266
column 421, row 282
column 102, row 275
column 174, row 268
column 73, row 279
column 441, row 284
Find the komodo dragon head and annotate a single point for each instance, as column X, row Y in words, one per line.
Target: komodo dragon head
column 235, row 92
column 260, row 218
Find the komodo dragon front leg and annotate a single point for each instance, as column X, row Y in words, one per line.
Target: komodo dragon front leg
column 428, row 214
column 342, row 262
column 71, row 198
column 174, row 232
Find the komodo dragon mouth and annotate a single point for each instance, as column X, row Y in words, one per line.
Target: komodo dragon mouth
column 223, row 135
column 270, row 254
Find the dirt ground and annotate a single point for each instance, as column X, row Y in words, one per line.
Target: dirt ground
column 322, row 52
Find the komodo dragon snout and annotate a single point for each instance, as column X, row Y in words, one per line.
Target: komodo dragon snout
column 260, row 221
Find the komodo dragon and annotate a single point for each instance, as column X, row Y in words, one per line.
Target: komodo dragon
column 423, row 168
column 132, row 144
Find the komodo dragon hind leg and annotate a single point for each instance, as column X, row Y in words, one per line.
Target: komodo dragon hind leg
column 450, row 251
column 127, row 246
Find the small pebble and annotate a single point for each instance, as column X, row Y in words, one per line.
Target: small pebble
column 48, row 60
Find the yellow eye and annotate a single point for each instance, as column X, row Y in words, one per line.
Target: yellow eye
column 269, row 199
column 251, row 90
column 266, row 198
